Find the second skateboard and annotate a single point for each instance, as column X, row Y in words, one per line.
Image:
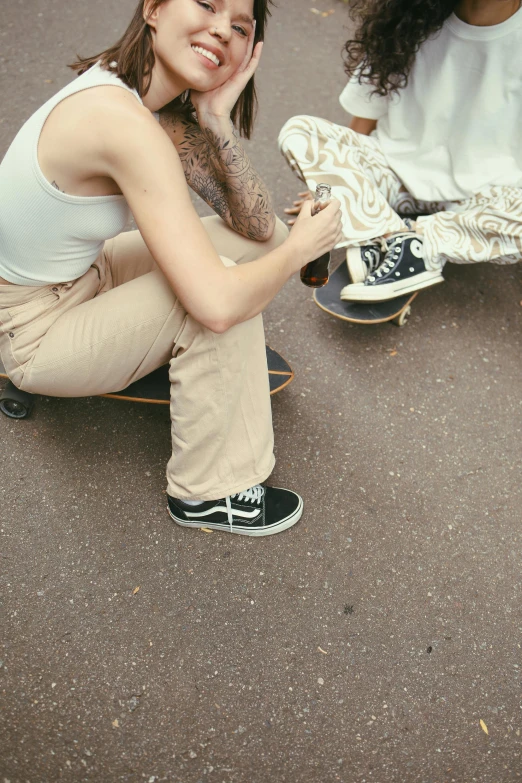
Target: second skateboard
column 328, row 299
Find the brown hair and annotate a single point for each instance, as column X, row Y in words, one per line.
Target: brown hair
column 132, row 60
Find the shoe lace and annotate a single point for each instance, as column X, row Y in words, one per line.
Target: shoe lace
column 252, row 495
column 372, row 254
column 393, row 251
column 383, row 269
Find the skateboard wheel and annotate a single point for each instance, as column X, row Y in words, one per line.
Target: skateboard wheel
column 14, row 403
column 402, row 318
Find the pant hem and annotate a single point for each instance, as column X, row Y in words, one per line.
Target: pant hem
column 221, row 493
column 431, row 258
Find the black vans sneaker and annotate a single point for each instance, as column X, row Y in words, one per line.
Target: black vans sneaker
column 258, row 511
column 402, row 272
column 364, row 260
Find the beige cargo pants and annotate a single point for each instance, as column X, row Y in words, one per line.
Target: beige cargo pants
column 120, row 321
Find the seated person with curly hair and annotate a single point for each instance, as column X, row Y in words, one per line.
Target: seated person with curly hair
column 435, row 90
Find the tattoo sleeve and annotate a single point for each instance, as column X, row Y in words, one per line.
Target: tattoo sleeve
column 218, row 169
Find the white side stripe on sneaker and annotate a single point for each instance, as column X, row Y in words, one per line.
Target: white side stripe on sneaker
column 244, row 514
column 227, row 510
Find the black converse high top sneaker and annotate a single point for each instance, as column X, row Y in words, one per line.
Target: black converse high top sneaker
column 402, row 272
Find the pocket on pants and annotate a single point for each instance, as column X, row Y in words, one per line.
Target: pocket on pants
column 23, row 325
column 21, row 314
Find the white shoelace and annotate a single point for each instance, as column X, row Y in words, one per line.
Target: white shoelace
column 394, row 249
column 251, row 495
column 383, row 269
column 254, row 494
column 372, row 255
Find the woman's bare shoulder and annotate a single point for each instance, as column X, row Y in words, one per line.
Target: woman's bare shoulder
column 100, row 112
column 88, row 130
column 107, row 104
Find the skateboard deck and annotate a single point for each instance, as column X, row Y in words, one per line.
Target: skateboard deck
column 327, row 298
column 153, row 388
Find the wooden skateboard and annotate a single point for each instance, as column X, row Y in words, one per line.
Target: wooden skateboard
column 154, row 388
column 328, row 299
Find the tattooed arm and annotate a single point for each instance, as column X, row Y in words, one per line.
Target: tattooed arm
column 218, row 169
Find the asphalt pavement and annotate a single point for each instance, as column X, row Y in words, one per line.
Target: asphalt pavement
column 378, row 640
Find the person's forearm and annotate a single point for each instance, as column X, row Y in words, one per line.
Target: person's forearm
column 218, row 169
column 250, row 210
column 251, row 287
column 233, row 294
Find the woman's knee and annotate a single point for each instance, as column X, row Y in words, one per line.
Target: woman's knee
column 300, row 124
column 296, row 135
column 279, row 235
column 231, row 245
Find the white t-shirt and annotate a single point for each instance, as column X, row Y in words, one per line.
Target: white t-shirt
column 457, row 126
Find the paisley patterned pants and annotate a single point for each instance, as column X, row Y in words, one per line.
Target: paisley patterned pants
column 485, row 227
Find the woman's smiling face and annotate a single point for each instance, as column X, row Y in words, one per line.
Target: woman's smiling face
column 199, row 44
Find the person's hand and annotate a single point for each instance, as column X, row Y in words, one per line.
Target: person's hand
column 305, row 195
column 219, row 103
column 314, row 235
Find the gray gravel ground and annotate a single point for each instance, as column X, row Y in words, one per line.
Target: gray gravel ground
column 367, row 643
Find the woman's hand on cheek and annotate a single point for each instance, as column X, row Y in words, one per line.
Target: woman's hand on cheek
column 216, row 105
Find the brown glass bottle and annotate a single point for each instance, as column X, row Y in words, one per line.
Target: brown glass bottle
column 315, row 274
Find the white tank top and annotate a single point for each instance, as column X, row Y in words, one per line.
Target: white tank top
column 47, row 236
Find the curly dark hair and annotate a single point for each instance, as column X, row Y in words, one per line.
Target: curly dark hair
column 388, row 36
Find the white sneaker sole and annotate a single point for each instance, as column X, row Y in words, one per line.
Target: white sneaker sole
column 357, row 269
column 381, row 293
column 254, row 532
